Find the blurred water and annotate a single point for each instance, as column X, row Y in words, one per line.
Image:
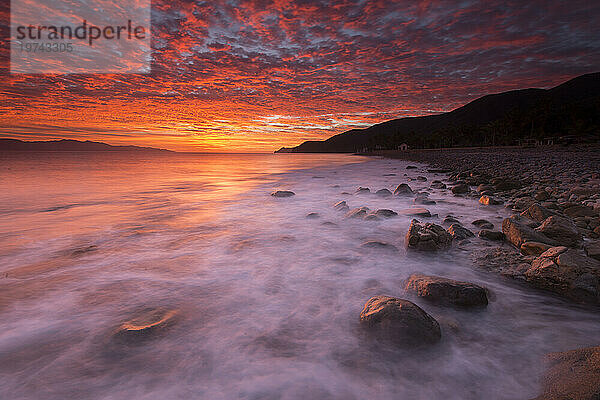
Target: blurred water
column 267, row 299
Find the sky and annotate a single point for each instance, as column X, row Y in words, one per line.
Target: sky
column 253, row 76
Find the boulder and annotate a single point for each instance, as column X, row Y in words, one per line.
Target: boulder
column 534, row 248
column 313, row 215
column 359, row 212
column 568, row 272
column 341, row 206
column 363, row 190
column 423, row 201
column 488, row 200
column 503, row 184
column 445, row 290
column 592, row 249
column 459, row 232
column 482, row 223
column 518, row 231
column 491, row 235
column 580, row 211
column 283, row 193
column 416, row 211
column 399, row 321
column 421, row 178
column 562, row 230
column 460, row 188
column 383, row 193
column 449, row 220
column 484, row 188
column 572, row 375
column 403, row 190
column 411, row 167
column 384, row 212
column 535, row 212
column 427, row 237
column 438, row 185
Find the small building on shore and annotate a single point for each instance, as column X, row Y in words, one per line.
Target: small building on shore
column 403, row 147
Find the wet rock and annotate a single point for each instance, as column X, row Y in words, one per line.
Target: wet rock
column 361, row 190
column 403, row 190
column 580, row 211
column 482, row 223
column 438, row 185
column 562, row 230
column 504, row 184
column 592, row 249
column 374, row 244
column 371, row 217
column 572, row 375
column 491, row 235
column 534, row 248
column 449, row 220
column 505, row 261
column 283, row 193
column 399, row 321
column 421, row 178
column 313, row 215
column 427, row 237
column 445, row 290
column 417, row 212
column 489, row 201
column 411, row 167
column 459, row 232
column 518, row 231
column 147, row 325
column 385, row 213
column 460, row 189
column 568, row 272
column 383, row 193
column 341, row 206
column 535, row 212
column 423, row 201
column 359, row 212
column 484, row 188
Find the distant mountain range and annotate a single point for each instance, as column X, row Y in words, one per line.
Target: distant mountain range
column 570, row 109
column 67, row 145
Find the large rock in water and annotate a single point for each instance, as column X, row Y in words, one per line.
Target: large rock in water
column 445, row 290
column 459, row 232
column 461, row 188
column 518, row 231
column 283, row 193
column 399, row 321
column 573, row 375
column 568, row 272
column 562, row 230
column 360, row 212
column 427, row 237
column 403, row 190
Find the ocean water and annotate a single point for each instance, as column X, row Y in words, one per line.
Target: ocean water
column 267, row 300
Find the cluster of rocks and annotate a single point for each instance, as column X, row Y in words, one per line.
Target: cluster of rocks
column 403, row 323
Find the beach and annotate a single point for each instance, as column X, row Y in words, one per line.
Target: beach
column 174, row 275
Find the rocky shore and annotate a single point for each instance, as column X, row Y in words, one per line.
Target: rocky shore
column 552, row 240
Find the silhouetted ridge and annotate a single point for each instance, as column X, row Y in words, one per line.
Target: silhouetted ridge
column 66, row 145
column 571, row 109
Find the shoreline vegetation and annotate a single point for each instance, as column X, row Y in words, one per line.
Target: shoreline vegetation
column 551, row 242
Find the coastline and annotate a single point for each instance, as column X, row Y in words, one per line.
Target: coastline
column 552, row 190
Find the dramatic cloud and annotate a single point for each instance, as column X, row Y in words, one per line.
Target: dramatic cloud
column 257, row 75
